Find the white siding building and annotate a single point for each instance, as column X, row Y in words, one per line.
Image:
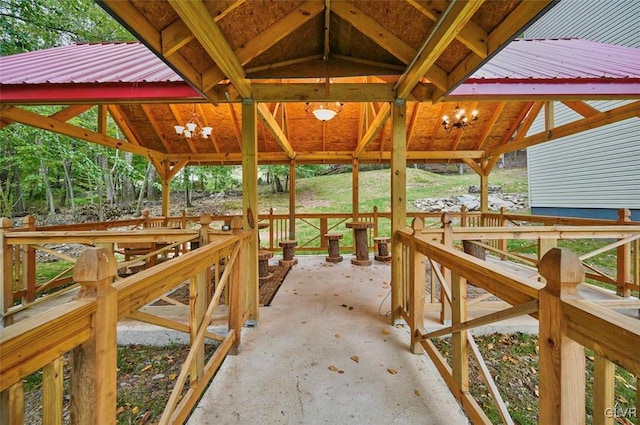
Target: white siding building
column 594, row 173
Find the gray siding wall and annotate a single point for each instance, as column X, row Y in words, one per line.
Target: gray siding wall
column 599, row 168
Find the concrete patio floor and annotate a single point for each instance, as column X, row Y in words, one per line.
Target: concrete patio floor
column 323, row 315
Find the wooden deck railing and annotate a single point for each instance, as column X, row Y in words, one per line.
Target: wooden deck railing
column 567, row 324
column 86, row 329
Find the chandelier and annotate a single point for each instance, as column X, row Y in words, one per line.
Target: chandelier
column 193, row 127
column 324, row 111
column 460, row 119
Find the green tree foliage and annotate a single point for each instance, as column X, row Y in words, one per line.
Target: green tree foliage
column 33, row 25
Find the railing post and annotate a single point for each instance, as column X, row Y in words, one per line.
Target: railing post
column 6, row 272
column 29, row 262
column 447, row 239
column 459, row 340
column 562, row 361
column 199, row 297
column 623, row 259
column 603, row 391
column 93, row 363
column 376, row 230
column 503, row 242
column 237, row 286
column 145, row 217
column 463, row 216
column 417, row 282
column 324, row 229
column 271, row 223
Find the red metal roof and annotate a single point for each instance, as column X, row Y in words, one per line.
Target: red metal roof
column 131, row 72
column 560, row 59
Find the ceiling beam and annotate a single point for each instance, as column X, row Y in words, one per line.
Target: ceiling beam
column 46, row 123
column 489, row 124
column 70, row 112
column 373, row 130
column 583, row 108
column 384, row 38
column 497, row 39
column 447, row 28
column 275, row 130
column 316, row 92
column 471, row 35
column 196, row 16
column 603, row 118
column 123, row 123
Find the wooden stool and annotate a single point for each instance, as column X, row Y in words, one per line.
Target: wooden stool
column 288, row 251
column 334, row 247
column 382, row 251
column 263, row 264
column 362, row 245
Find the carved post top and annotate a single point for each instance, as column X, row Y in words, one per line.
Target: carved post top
column 205, row 220
column 5, row 223
column 563, row 271
column 417, row 224
column 503, row 210
column 93, row 266
column 236, row 224
column 446, row 220
column 145, row 214
column 624, row 215
column 29, row 222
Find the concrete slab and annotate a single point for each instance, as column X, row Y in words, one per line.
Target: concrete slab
column 324, row 314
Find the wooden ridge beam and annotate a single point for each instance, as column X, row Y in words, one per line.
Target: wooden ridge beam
column 374, row 129
column 45, row 123
column 197, row 18
column 603, row 118
column 497, row 39
column 449, row 27
column 384, row 38
column 275, row 130
column 471, row 35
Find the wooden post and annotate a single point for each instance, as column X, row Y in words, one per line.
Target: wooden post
column 236, row 289
column 29, row 262
column 503, row 241
column 376, row 229
column 603, row 391
column 447, row 239
column 6, row 272
column 562, row 361
column 398, row 201
column 93, row 364
column 463, row 216
column 166, row 195
column 199, row 297
column 544, row 246
column 52, row 392
column 292, row 199
column 250, row 203
column 12, row 405
column 355, row 189
column 324, row 229
column 484, row 195
column 459, row 340
column 416, row 289
column 623, row 259
column 271, row 229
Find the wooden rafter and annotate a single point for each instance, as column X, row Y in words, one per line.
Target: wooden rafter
column 473, row 165
column 449, row 26
column 283, row 64
column 196, row 16
column 412, row 123
column 509, row 27
column 527, row 122
column 272, row 125
column 70, row 112
column 207, row 123
column 603, row 118
column 236, row 125
column 156, row 128
column 123, row 123
column 490, row 123
column 327, row 22
column 471, row 35
column 384, row 38
column 373, row 130
column 46, row 123
column 583, row 108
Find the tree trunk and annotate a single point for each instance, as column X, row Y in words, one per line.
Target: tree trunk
column 66, row 165
column 128, row 191
column 152, row 194
column 44, row 171
column 143, row 186
column 108, row 180
column 187, row 186
column 279, row 187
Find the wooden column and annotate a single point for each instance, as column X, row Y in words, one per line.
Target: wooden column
column 484, row 193
column 355, row 189
column 53, row 392
column 292, row 199
column 6, row 272
column 398, row 200
column 562, row 361
column 416, row 289
column 447, row 239
column 198, row 301
column 29, row 262
column 250, row 203
column 93, row 365
column 459, row 340
column 623, row 259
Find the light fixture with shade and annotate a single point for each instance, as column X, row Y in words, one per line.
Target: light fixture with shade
column 193, row 127
column 460, row 120
column 324, row 111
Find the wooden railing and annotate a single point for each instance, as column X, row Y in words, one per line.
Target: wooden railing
column 567, row 324
column 85, row 328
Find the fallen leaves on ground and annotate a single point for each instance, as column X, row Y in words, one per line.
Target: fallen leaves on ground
column 355, row 359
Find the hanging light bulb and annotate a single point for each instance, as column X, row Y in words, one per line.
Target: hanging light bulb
column 460, row 119
column 324, row 111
